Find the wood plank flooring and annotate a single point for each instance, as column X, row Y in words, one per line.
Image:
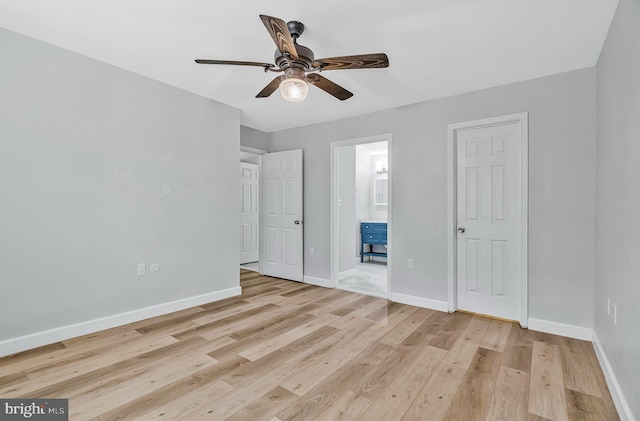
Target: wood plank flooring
column 290, row 351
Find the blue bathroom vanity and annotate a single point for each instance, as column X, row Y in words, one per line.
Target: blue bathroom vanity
column 372, row 233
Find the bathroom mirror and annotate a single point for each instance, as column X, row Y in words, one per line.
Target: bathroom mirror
column 380, row 191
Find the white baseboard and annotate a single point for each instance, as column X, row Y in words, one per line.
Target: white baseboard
column 614, row 387
column 361, row 292
column 420, row 302
column 34, row 340
column 347, row 273
column 321, row 282
column 555, row 328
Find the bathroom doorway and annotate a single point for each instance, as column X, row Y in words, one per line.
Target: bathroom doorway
column 361, row 215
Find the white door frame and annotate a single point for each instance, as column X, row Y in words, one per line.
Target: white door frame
column 259, row 153
column 333, row 214
column 522, row 119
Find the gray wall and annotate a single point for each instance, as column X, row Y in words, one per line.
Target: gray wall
column 254, row 138
column 85, row 149
column 346, row 185
column 618, row 199
column 562, row 188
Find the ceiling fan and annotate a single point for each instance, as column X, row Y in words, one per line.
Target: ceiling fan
column 298, row 65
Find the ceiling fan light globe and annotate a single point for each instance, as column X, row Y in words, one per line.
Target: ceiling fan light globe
column 294, row 89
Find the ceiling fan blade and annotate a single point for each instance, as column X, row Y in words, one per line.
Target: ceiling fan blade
column 237, row 63
column 280, row 33
column 270, row 88
column 328, row 86
column 362, row 61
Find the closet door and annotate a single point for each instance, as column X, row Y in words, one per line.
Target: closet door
column 282, row 231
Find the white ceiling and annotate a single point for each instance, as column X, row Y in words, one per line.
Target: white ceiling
column 436, row 48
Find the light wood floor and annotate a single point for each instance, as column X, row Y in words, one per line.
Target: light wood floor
column 291, row 351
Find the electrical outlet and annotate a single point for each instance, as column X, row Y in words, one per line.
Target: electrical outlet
column 142, row 269
column 312, row 251
column 410, row 263
column 615, row 314
column 608, row 306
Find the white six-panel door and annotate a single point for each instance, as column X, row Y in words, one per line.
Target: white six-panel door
column 249, row 213
column 489, row 229
column 282, row 233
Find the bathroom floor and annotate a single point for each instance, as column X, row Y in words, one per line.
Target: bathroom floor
column 369, row 278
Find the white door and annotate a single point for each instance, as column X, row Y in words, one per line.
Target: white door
column 249, row 212
column 282, row 215
column 490, row 225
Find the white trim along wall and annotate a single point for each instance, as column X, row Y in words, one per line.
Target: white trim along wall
column 34, row 340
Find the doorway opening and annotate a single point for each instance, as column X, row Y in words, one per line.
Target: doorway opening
column 250, row 181
column 361, row 215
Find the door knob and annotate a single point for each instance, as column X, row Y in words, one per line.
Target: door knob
column 461, row 230
column 297, row 222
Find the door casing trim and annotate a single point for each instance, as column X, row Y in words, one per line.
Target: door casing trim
column 522, row 119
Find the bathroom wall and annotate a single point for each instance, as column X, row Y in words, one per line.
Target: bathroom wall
column 378, row 162
column 367, row 166
column 364, row 193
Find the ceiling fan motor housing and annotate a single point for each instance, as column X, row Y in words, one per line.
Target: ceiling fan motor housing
column 305, row 58
column 305, row 55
